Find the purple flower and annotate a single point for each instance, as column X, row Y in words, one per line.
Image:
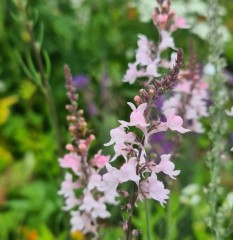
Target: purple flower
column 80, row 81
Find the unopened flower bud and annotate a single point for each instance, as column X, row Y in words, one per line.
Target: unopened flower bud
column 135, row 233
column 128, row 206
column 165, row 7
column 171, row 14
column 196, row 77
column 70, row 147
column 72, row 128
column 80, row 112
column 69, row 107
column 73, row 118
column 137, row 99
column 125, row 226
column 92, row 137
column 151, row 92
column 82, row 147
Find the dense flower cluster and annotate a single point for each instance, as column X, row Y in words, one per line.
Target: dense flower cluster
column 190, row 98
column 148, row 55
column 138, row 167
column 81, row 194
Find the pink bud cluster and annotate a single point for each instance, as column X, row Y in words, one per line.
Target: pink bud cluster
column 190, row 97
column 148, row 55
column 82, row 177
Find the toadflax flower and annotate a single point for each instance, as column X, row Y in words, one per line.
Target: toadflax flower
column 84, row 176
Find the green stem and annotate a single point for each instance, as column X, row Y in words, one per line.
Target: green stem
column 168, row 220
column 148, row 225
column 47, row 87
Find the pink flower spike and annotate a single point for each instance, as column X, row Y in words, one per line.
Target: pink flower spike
column 230, row 113
column 174, row 122
column 72, row 161
column 156, row 189
column 166, row 166
column 100, row 160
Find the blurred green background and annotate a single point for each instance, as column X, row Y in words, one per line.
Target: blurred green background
column 96, row 39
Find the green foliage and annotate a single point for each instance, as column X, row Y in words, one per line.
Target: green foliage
column 98, row 39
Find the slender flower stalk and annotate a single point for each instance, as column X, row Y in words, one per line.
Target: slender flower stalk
column 43, row 82
column 217, row 116
column 79, row 188
column 140, row 167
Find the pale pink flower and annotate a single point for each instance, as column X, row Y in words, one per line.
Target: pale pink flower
column 95, row 208
column 68, row 186
column 131, row 74
column 82, row 222
column 172, row 102
column 179, row 23
column 99, row 160
column 118, row 135
column 89, row 204
column 137, row 117
column 152, row 68
column 230, row 112
column 174, row 122
column 70, row 202
column 128, row 172
column 77, row 222
column 184, row 86
column 196, row 126
column 121, row 149
column 110, row 180
column 100, row 210
column 72, row 161
column 143, row 52
column 143, row 43
column 166, row 166
column 167, row 41
column 94, row 181
column 153, row 188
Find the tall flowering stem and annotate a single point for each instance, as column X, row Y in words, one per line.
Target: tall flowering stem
column 131, row 139
column 86, row 203
column 139, row 168
column 43, row 66
column 217, row 114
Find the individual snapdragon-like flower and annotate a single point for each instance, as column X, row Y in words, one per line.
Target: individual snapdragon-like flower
column 68, row 186
column 153, row 188
column 118, row 135
column 137, row 117
column 100, row 160
column 174, row 122
column 72, row 161
column 166, row 166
